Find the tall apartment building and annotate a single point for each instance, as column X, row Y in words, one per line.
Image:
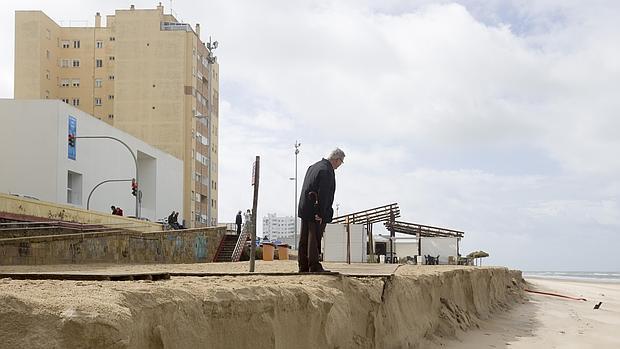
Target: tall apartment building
column 145, row 73
column 280, row 228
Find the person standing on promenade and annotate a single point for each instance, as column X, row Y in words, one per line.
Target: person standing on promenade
column 315, row 209
column 238, row 221
column 248, row 220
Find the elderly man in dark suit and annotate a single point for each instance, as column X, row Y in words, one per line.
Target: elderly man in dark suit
column 315, row 209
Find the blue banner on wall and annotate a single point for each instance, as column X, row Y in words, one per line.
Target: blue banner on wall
column 71, row 134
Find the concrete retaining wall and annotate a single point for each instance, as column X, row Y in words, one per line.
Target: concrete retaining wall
column 175, row 246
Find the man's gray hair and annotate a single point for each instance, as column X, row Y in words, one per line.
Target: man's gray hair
column 336, row 154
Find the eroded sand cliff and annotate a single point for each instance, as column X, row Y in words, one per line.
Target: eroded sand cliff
column 407, row 310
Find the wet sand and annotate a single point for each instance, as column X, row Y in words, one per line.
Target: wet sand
column 551, row 322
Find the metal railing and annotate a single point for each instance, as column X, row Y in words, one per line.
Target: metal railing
column 243, row 237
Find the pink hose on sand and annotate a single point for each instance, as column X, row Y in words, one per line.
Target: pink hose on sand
column 556, row 295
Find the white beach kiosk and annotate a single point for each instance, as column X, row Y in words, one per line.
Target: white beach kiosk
column 434, row 245
column 350, row 235
column 349, row 239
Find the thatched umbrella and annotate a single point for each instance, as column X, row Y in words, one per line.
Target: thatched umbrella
column 477, row 254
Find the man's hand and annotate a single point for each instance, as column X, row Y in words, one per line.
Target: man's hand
column 318, row 218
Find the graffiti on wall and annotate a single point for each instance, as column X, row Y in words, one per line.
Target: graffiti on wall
column 75, row 250
column 24, row 249
column 201, row 248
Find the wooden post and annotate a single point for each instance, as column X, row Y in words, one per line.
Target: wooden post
column 419, row 236
column 371, row 242
column 348, row 241
column 255, row 181
column 392, row 235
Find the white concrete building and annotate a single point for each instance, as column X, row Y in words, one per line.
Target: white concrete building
column 334, row 244
column 280, row 228
column 39, row 162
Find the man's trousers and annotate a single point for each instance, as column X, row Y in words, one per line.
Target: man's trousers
column 310, row 245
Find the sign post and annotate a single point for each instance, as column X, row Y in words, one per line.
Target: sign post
column 255, row 181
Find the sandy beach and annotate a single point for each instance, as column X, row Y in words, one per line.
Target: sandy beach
column 552, row 322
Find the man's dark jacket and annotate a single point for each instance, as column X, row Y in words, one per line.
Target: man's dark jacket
column 238, row 218
column 320, row 179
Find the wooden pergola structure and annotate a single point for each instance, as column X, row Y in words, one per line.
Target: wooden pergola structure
column 420, row 230
column 386, row 213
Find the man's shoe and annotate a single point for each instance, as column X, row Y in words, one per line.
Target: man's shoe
column 321, row 270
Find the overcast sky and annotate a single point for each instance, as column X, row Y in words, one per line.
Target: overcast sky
column 498, row 118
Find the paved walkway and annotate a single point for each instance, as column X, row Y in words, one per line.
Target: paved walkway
column 140, row 271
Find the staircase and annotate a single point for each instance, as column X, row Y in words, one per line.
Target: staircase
column 231, row 247
column 227, row 248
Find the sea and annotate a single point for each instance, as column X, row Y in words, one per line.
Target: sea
column 596, row 276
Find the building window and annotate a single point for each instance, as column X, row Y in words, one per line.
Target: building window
column 66, row 44
column 76, row 63
column 97, row 101
column 111, row 58
column 110, row 97
column 76, row 43
column 64, row 83
column 75, row 83
column 47, row 74
column 66, row 100
column 98, row 83
column 111, row 77
column 112, row 38
column 74, row 188
column 76, row 102
column 110, row 116
column 99, row 63
column 65, row 63
column 99, row 44
column 47, row 54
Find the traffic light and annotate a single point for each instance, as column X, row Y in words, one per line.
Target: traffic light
column 71, row 140
column 134, row 187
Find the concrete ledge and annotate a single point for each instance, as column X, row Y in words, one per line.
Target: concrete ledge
column 23, row 207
